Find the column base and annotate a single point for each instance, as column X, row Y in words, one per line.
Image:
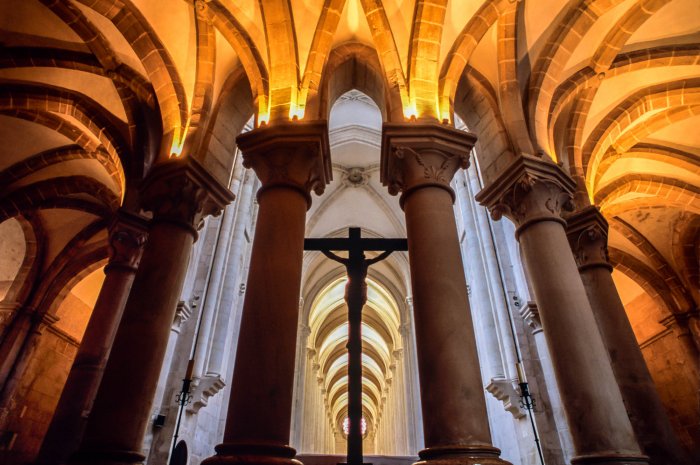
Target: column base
column 610, row 459
column 461, row 455
column 253, row 454
column 106, row 457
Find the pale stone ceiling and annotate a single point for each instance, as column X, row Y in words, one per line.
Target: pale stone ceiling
column 93, row 92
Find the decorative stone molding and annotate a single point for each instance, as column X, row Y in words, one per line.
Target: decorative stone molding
column 182, row 192
column 293, row 154
column 531, row 315
column 203, row 389
column 504, row 391
column 355, row 177
column 530, row 190
column 127, row 236
column 183, row 312
column 416, row 155
column 355, row 133
column 587, row 231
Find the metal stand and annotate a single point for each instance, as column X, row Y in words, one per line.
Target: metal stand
column 183, row 398
column 355, row 296
column 528, row 402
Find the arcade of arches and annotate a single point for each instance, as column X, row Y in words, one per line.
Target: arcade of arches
column 163, row 160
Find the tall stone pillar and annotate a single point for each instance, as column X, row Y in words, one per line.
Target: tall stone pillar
column 290, row 159
column 127, row 236
column 419, row 160
column 532, row 192
column 587, row 231
column 180, row 194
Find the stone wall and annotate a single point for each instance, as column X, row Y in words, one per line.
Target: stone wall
column 677, row 379
column 31, row 409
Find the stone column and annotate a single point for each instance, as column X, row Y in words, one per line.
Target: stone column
column 532, row 192
column 290, row 159
column 180, row 193
column 419, row 160
column 587, row 231
column 127, row 236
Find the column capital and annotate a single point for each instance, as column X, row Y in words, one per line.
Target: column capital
column 293, row 154
column 127, row 236
column 530, row 190
column 587, row 231
column 417, row 155
column 183, row 192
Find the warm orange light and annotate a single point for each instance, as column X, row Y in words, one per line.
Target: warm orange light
column 296, row 112
column 410, row 112
column 176, row 148
column 263, row 119
column 179, row 142
column 263, row 116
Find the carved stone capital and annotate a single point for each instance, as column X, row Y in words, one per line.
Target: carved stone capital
column 531, row 315
column 127, row 236
column 182, row 192
column 587, row 231
column 416, row 155
column 530, row 190
column 293, row 154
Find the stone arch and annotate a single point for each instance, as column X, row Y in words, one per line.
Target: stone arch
column 157, row 62
column 52, row 193
column 653, row 191
column 658, row 262
column 457, row 58
column 476, row 103
column 22, row 282
column 647, row 279
column 587, row 78
column 353, row 65
column 241, row 41
column 112, row 133
column 233, row 110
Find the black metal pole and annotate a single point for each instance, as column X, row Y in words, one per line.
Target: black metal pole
column 183, row 398
column 527, row 402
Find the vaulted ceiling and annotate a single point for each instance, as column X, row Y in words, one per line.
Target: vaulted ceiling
column 93, row 92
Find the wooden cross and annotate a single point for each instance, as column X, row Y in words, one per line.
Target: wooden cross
column 356, row 266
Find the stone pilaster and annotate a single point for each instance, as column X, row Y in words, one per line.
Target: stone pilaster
column 180, row 194
column 291, row 159
column 419, row 161
column 127, row 237
column 532, row 193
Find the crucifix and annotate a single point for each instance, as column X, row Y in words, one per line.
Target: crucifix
column 356, row 266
